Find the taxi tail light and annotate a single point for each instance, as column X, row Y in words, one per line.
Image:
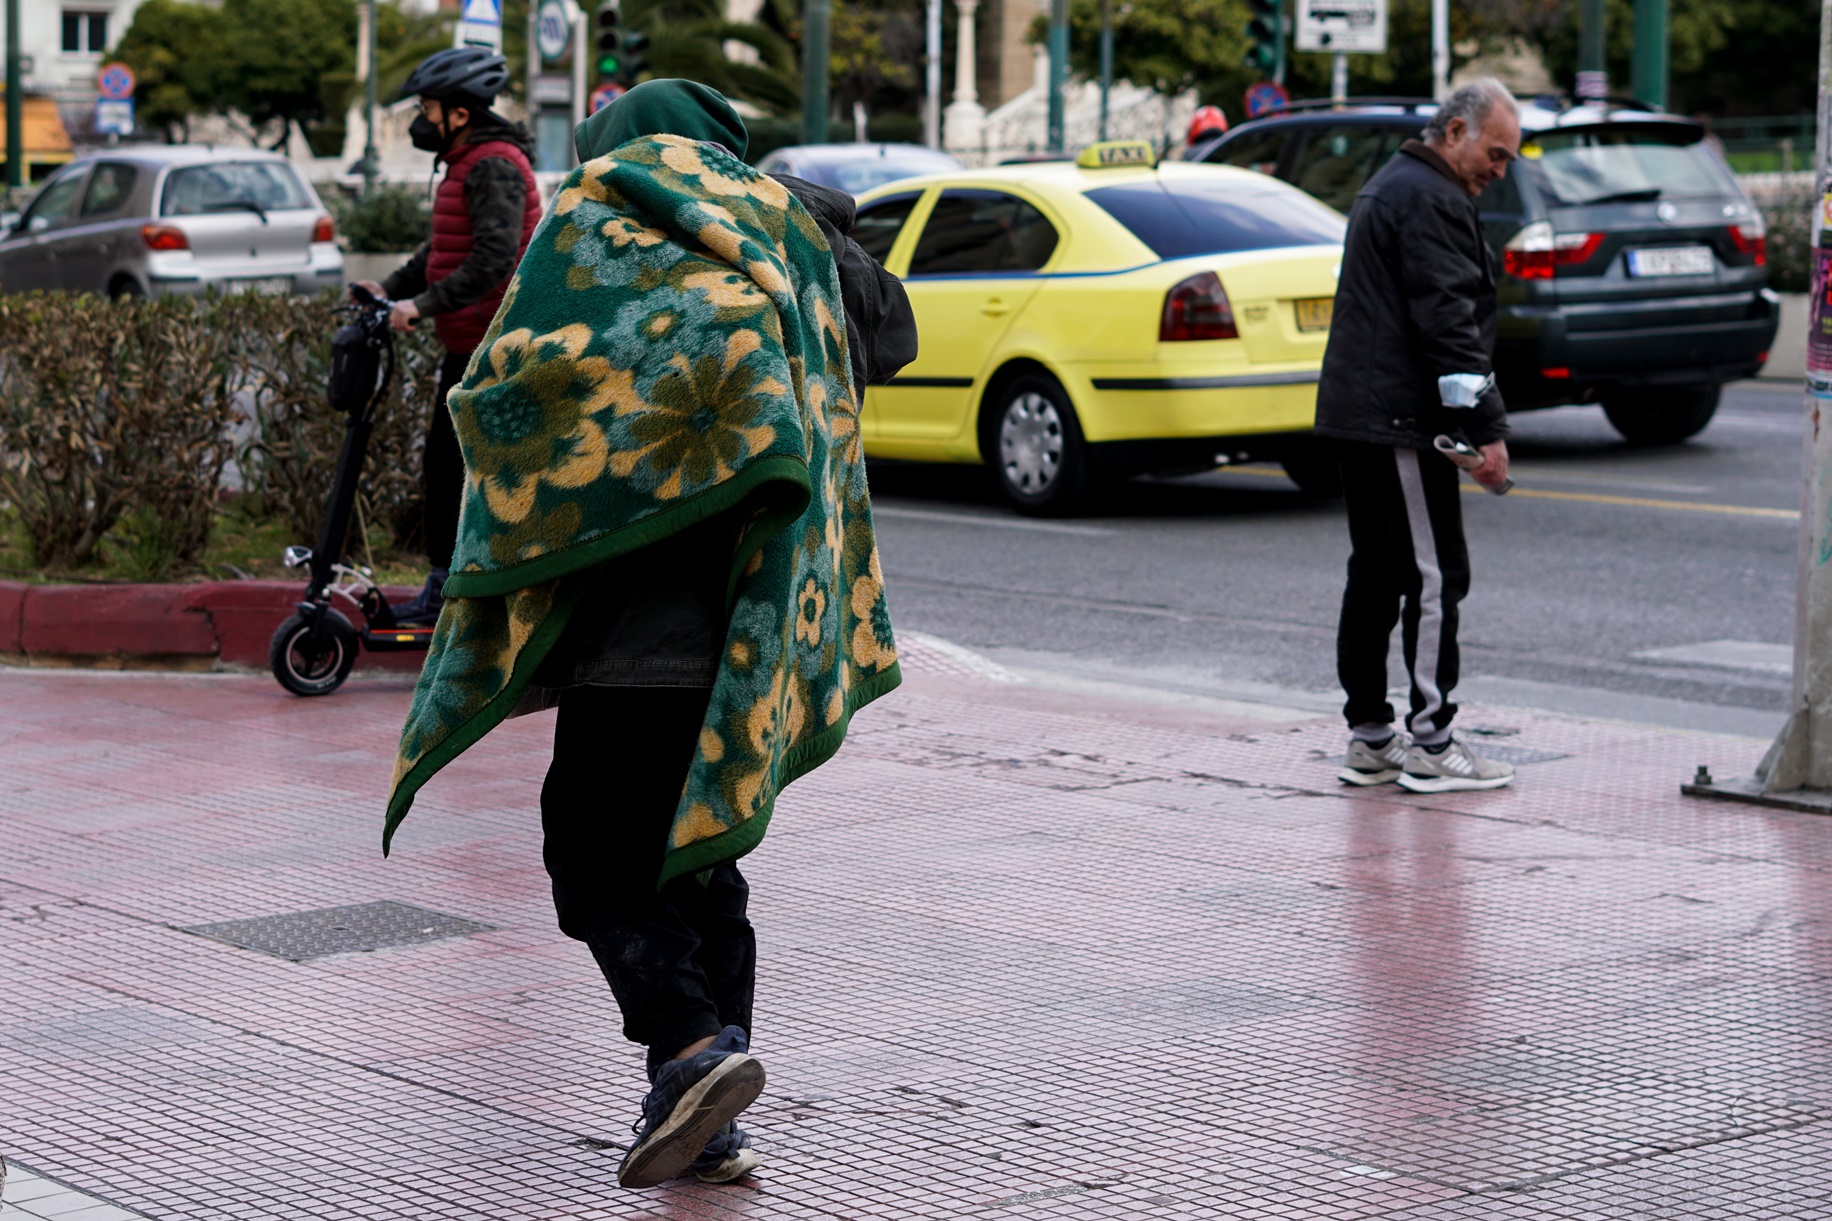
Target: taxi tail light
column 1751, row 238
column 1536, row 253
column 1197, row 308
column 323, row 230
column 164, row 237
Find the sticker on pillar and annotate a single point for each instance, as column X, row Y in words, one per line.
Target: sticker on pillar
column 1819, row 327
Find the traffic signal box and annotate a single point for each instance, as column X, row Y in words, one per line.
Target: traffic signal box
column 619, row 54
column 1264, row 36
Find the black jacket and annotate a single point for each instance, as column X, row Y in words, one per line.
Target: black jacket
column 880, row 326
column 1416, row 301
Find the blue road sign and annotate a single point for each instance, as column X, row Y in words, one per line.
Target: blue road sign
column 1263, row 97
column 114, row 116
column 115, row 81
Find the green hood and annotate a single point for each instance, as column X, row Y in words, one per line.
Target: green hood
column 663, row 108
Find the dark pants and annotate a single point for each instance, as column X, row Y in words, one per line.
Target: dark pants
column 682, row 961
column 442, row 467
column 1409, row 563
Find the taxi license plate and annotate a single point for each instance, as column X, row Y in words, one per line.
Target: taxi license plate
column 272, row 286
column 1315, row 314
column 1671, row 261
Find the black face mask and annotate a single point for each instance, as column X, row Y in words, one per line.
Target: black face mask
column 427, row 136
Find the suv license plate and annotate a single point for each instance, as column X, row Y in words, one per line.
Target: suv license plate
column 1315, row 313
column 272, row 286
column 1672, row 261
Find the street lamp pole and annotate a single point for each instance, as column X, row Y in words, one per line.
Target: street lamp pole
column 1440, row 48
column 1796, row 773
column 1059, row 68
column 1593, row 76
column 815, row 17
column 931, row 102
column 15, row 101
column 1648, row 69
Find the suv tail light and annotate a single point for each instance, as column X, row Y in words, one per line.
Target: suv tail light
column 324, row 230
column 1197, row 309
column 1536, row 253
column 1751, row 237
column 164, row 237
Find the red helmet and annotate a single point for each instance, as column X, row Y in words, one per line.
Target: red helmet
column 1208, row 121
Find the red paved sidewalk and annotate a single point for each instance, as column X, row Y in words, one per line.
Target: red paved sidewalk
column 1024, row 955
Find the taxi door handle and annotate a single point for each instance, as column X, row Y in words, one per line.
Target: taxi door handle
column 994, row 308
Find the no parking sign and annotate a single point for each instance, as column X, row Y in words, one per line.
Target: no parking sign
column 115, row 82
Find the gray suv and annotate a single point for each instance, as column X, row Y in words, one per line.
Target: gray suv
column 1633, row 267
column 178, row 218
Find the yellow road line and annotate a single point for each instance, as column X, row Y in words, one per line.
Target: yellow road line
column 1643, row 502
column 1600, row 498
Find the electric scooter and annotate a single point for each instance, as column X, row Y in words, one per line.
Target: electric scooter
column 314, row 650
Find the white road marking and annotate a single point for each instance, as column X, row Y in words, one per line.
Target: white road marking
column 1730, row 654
column 880, row 509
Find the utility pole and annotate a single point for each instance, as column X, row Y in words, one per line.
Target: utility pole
column 1339, row 77
column 1059, row 68
column 1648, row 71
column 371, row 159
column 1106, row 61
column 815, row 17
column 15, row 102
column 1796, row 773
column 1593, row 75
column 1440, row 48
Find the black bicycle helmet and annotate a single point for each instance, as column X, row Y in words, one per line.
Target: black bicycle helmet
column 472, row 73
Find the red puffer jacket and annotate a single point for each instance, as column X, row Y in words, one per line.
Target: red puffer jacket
column 463, row 329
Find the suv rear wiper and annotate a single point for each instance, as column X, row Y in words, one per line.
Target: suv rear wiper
column 238, row 205
column 1644, row 195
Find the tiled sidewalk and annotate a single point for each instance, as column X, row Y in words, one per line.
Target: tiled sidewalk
column 1025, row 955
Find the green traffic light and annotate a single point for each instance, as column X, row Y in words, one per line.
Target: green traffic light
column 607, row 65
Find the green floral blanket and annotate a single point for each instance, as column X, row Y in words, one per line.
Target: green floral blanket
column 671, row 347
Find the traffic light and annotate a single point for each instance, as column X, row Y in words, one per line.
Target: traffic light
column 608, row 41
column 635, row 55
column 1264, row 34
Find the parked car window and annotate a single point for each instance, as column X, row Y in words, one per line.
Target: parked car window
column 225, row 186
column 982, row 231
column 877, row 226
column 1336, row 161
column 110, row 183
column 860, row 174
column 1624, row 165
column 1255, row 150
column 1178, row 218
column 55, row 203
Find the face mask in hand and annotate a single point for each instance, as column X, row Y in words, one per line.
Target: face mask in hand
column 427, row 136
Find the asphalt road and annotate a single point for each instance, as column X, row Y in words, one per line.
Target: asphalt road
column 1652, row 585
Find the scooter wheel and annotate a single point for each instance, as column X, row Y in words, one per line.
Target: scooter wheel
column 308, row 667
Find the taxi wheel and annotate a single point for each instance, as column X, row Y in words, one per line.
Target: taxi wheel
column 1035, row 444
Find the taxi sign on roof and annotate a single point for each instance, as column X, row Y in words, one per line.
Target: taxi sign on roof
column 1110, row 154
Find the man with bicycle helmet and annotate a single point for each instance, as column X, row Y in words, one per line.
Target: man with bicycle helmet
column 484, row 211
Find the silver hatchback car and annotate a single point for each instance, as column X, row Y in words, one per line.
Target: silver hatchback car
column 173, row 218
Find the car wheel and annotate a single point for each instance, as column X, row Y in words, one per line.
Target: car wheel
column 312, row 667
column 1037, row 448
column 1315, row 471
column 126, row 288
column 1662, row 415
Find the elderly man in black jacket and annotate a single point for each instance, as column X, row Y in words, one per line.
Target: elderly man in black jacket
column 1410, row 359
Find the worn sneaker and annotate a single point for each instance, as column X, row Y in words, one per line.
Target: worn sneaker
column 727, row 1156
column 1453, row 769
column 688, row 1104
column 1374, row 764
column 424, row 607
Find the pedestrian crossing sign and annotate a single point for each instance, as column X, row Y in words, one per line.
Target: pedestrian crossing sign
column 480, row 24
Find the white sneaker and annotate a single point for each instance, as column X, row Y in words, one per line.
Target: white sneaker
column 1366, row 765
column 1454, row 769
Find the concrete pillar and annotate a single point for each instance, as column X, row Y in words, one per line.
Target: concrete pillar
column 965, row 116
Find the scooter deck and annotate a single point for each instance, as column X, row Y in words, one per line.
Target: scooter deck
column 399, row 639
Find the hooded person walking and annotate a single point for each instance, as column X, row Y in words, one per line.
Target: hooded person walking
column 666, row 526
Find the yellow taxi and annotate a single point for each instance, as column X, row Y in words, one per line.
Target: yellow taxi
column 1105, row 317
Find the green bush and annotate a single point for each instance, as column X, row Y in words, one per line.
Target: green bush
column 1789, row 215
column 390, row 218
column 114, row 413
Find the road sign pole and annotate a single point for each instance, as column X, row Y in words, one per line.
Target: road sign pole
column 371, row 159
column 1648, row 70
column 1339, row 77
column 1281, row 20
column 931, row 66
column 1440, row 48
column 1106, row 61
column 15, row 101
column 1059, row 68
column 1593, row 76
column 1796, row 773
column 580, row 55
column 815, row 18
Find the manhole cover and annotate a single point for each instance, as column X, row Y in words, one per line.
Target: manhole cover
column 297, row 936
